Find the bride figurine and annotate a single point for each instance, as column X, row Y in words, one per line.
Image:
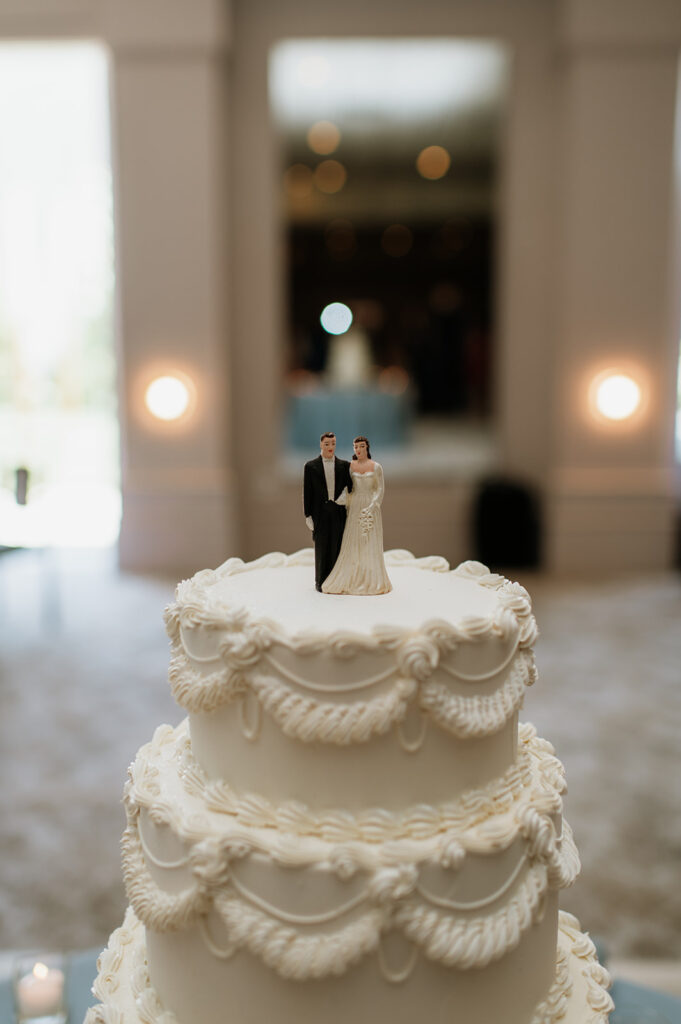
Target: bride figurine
column 360, row 568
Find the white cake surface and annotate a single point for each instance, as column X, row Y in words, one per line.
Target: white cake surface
column 350, row 824
column 287, row 597
column 278, row 590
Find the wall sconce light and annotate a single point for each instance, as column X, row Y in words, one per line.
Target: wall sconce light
column 615, row 395
column 169, row 397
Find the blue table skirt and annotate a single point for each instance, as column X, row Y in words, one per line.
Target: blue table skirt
column 633, row 1003
column 384, row 418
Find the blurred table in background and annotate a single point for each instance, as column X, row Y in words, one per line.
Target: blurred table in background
column 382, row 417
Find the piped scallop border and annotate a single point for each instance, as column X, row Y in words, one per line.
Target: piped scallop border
column 127, row 996
column 170, row 749
column 392, row 893
column 244, row 666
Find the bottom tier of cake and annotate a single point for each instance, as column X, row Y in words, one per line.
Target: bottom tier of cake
column 578, row 994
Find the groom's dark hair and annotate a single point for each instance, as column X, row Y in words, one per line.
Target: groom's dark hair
column 329, row 433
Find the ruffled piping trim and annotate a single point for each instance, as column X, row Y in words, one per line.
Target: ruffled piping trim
column 476, row 716
column 124, row 962
column 392, row 896
column 455, row 940
column 244, row 645
column 310, row 721
column 596, row 977
column 313, row 720
column 424, row 821
column 580, row 948
column 196, row 606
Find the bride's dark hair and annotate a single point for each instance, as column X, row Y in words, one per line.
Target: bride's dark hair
column 366, row 441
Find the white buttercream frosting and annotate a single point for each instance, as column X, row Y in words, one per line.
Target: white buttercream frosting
column 579, row 992
column 536, row 779
column 351, row 795
column 277, row 589
column 226, row 627
column 416, row 692
column 398, row 875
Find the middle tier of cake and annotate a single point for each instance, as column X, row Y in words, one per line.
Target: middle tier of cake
column 312, row 893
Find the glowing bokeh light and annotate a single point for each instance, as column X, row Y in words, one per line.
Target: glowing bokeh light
column 393, row 380
column 340, row 239
column 396, row 240
column 618, row 396
column 330, row 176
column 167, row 398
column 433, row 162
column 452, row 236
column 369, row 314
column 444, row 297
column 302, row 382
column 298, row 181
column 336, row 318
column 323, row 137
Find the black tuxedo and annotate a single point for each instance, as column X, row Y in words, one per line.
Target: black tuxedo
column 327, row 516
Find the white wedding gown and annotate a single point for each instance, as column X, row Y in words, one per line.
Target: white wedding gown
column 360, row 568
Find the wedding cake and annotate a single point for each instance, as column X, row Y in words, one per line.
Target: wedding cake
column 350, row 825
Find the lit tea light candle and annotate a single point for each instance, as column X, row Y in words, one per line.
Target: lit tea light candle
column 40, row 992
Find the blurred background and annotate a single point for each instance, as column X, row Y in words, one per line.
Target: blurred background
column 226, row 227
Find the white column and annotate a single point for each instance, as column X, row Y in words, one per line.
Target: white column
column 611, row 495
column 169, row 130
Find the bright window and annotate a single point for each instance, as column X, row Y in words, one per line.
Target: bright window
column 58, row 416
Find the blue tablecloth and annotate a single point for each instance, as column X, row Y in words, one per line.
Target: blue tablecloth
column 633, row 1003
column 384, row 418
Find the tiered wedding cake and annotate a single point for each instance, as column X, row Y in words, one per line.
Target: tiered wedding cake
column 350, row 827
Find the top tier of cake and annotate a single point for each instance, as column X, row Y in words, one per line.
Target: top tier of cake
column 390, row 701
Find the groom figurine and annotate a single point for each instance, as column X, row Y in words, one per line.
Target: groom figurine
column 326, row 483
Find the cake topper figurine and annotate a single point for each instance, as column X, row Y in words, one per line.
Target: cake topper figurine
column 358, row 566
column 326, row 485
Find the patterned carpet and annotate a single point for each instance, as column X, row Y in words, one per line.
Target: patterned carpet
column 83, row 685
